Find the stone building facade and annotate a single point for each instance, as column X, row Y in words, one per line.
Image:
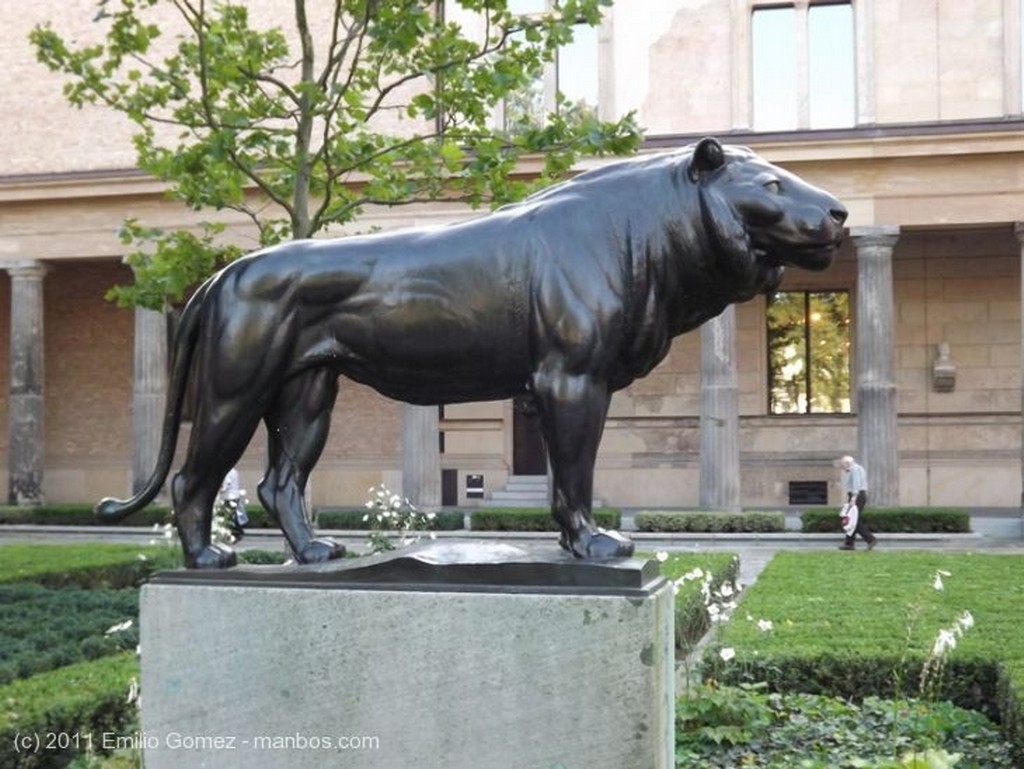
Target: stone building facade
column 927, row 153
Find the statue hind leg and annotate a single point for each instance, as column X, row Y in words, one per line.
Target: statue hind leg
column 220, row 433
column 297, row 426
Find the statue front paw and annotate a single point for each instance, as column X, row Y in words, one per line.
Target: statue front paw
column 597, row 544
column 320, row 550
column 212, row 557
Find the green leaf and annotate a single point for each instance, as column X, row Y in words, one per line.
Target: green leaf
column 298, row 140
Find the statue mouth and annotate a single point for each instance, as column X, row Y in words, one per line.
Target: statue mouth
column 815, row 257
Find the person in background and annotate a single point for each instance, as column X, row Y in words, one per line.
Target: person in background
column 855, row 486
column 233, row 496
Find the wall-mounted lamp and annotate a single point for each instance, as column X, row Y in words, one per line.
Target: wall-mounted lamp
column 943, row 370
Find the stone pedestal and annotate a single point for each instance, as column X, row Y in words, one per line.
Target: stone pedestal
column 443, row 656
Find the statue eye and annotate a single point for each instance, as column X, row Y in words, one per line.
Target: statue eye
column 773, row 186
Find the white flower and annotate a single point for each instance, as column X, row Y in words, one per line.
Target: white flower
column 966, row 620
column 695, row 573
column 118, row 627
column 727, row 653
column 661, row 556
column 725, row 590
column 750, row 618
column 945, row 641
column 937, row 584
column 764, row 625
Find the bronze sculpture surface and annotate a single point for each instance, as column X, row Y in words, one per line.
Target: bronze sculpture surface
column 559, row 300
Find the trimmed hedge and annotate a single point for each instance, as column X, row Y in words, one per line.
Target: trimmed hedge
column 352, row 519
column 893, row 520
column 967, row 683
column 47, row 628
column 83, row 515
column 533, row 519
column 90, row 566
column 88, row 699
column 1010, row 702
column 259, row 518
column 79, row 515
column 708, row 522
column 853, row 625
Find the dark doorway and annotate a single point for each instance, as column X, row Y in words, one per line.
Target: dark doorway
column 529, row 457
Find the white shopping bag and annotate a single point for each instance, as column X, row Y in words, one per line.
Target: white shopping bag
column 848, row 515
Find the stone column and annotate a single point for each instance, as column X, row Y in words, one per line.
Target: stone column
column 25, row 458
column 877, row 429
column 1018, row 230
column 719, row 415
column 149, row 393
column 421, row 457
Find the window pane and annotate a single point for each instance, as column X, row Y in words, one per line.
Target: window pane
column 787, row 366
column 809, row 352
column 774, row 69
column 527, row 6
column 577, row 71
column 829, row 341
column 830, row 66
column 525, row 108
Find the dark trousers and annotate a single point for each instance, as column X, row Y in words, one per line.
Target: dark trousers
column 862, row 524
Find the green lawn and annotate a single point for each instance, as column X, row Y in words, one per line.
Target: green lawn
column 882, row 604
column 66, row 564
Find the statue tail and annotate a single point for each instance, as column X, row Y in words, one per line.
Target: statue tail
column 185, row 340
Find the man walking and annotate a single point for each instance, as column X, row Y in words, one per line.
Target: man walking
column 855, row 484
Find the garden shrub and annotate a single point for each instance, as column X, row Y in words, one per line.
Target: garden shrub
column 79, row 515
column 856, row 625
column 1010, row 702
column 893, row 520
column 692, row 619
column 82, row 515
column 91, row 566
column 748, row 726
column 966, row 683
column 533, row 519
column 709, row 522
column 88, row 699
column 45, row 628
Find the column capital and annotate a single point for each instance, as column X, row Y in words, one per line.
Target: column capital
column 875, row 236
column 24, row 269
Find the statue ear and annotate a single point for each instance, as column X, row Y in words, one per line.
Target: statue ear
column 707, row 156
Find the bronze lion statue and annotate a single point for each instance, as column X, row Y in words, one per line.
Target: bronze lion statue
column 559, row 301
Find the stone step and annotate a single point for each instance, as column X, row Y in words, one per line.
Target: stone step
column 521, row 491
